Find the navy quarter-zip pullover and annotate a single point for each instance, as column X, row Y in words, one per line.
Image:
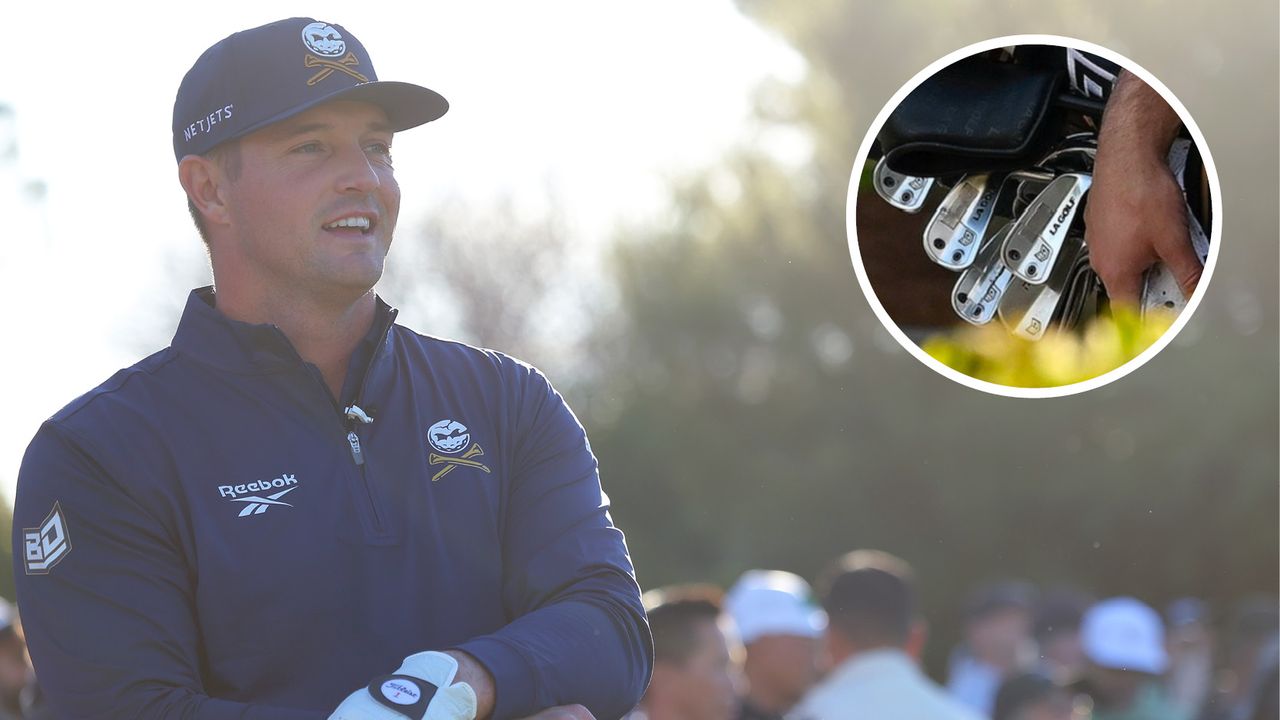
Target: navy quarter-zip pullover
column 211, row 535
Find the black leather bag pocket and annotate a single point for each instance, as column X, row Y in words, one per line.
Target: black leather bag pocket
column 977, row 115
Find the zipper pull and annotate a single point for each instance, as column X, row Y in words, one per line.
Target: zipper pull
column 354, row 441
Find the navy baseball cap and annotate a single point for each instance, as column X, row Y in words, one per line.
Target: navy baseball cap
column 263, row 75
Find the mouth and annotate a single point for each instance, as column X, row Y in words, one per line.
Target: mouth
column 352, row 224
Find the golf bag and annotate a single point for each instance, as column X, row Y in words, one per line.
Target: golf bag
column 1012, row 135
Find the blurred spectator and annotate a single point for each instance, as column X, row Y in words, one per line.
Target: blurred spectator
column 997, row 643
column 1250, row 636
column 19, row 695
column 1264, row 701
column 1033, row 696
column 1124, row 644
column 779, row 625
column 874, row 640
column 1056, row 631
column 695, row 656
column 1190, row 646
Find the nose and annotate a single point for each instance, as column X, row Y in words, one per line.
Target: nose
column 357, row 172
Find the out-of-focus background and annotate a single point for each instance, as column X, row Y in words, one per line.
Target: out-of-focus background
column 648, row 203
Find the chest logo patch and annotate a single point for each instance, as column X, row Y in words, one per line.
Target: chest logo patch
column 452, row 437
column 448, row 436
column 254, row 495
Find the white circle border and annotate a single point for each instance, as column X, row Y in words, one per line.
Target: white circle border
column 1215, row 233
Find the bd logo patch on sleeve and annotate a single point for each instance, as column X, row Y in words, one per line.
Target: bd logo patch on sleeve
column 48, row 544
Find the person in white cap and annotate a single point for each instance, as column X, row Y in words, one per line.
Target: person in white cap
column 1123, row 641
column 780, row 625
column 874, row 639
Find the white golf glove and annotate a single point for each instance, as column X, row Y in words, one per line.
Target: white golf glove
column 422, row 689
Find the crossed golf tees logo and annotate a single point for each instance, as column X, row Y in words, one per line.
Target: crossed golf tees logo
column 328, row 47
column 451, row 437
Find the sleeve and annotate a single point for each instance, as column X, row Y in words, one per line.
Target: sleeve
column 579, row 633
column 105, row 596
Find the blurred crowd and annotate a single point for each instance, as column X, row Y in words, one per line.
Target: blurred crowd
column 19, row 695
column 767, row 649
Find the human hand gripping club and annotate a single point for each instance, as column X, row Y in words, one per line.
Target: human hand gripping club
column 1137, row 214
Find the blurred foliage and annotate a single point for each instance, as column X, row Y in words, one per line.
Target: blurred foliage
column 486, row 266
column 751, row 412
column 7, row 589
column 496, row 275
column 991, row 353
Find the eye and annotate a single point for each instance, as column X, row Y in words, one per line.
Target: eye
column 380, row 148
column 305, row 148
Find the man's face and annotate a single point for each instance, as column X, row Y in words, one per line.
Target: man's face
column 1114, row 689
column 296, row 180
column 1000, row 636
column 786, row 663
column 704, row 687
column 1062, row 649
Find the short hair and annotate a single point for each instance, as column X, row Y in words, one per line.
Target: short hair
column 226, row 154
column 869, row 598
column 995, row 597
column 674, row 614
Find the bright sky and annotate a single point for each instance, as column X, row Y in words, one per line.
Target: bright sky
column 604, row 101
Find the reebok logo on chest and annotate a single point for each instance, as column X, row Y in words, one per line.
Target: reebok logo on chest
column 259, row 495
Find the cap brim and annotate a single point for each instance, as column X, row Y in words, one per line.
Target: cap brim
column 1152, row 661
column 810, row 625
column 407, row 105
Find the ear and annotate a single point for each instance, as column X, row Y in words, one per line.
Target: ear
column 203, row 181
column 916, row 638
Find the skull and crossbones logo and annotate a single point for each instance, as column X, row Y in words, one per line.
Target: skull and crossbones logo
column 325, row 43
column 323, row 40
column 450, row 436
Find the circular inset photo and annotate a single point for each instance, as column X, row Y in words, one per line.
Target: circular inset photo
column 1034, row 216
